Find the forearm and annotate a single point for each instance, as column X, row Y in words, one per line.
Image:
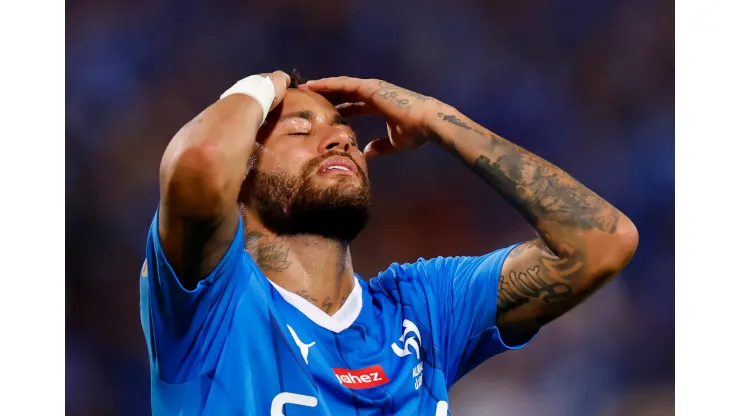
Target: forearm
column 557, row 206
column 208, row 157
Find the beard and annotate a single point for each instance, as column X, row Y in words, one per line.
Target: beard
column 295, row 205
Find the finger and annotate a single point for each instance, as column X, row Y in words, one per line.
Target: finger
column 334, row 97
column 386, row 97
column 356, row 109
column 353, row 89
column 337, row 97
column 379, row 147
column 280, row 80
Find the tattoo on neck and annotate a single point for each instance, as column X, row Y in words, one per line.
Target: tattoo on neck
column 270, row 254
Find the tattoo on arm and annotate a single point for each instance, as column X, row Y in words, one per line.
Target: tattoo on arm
column 451, row 118
column 551, row 279
column 558, row 271
column 541, row 191
column 538, row 189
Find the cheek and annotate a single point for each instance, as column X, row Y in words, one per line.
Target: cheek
column 282, row 161
column 360, row 159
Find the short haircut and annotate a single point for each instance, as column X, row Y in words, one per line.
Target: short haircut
column 295, row 79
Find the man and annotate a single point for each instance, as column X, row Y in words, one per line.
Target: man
column 249, row 302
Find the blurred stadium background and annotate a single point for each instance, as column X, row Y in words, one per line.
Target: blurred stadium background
column 587, row 84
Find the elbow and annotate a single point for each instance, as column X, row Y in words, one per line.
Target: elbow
column 619, row 248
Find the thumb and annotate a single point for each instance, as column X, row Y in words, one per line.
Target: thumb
column 280, row 80
column 379, row 147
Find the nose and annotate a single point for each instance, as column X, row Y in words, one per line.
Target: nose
column 338, row 139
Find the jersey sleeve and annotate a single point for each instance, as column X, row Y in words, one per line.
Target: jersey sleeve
column 460, row 295
column 468, row 292
column 185, row 329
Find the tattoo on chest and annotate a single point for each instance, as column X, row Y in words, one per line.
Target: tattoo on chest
column 327, row 304
column 305, row 295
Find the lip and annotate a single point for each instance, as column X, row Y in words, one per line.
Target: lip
column 338, row 164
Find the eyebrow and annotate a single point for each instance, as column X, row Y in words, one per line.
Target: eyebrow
column 311, row 116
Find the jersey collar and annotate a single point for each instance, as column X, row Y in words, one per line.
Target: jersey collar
column 341, row 320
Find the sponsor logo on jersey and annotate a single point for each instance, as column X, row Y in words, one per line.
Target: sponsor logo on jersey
column 302, row 346
column 372, row 376
column 409, row 338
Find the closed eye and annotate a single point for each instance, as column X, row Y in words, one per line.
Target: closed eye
column 302, row 133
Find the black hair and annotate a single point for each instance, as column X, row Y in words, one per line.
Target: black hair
column 295, row 79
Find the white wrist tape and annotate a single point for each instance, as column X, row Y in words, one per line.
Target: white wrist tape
column 258, row 87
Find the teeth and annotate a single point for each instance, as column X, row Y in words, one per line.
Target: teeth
column 337, row 167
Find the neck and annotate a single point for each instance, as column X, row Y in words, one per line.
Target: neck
column 315, row 268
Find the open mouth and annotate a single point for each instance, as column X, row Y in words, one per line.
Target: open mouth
column 339, row 165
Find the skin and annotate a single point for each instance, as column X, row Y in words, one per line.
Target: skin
column 582, row 239
column 305, row 126
column 201, row 177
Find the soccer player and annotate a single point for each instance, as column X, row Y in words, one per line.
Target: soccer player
column 249, row 302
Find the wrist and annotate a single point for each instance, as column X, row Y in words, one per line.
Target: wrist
column 246, row 106
column 259, row 88
column 437, row 122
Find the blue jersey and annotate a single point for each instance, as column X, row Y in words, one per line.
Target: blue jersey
column 240, row 345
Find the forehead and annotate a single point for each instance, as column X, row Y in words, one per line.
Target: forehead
column 297, row 100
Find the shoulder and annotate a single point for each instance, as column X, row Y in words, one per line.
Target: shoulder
column 407, row 282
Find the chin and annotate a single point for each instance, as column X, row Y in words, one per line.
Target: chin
column 348, row 183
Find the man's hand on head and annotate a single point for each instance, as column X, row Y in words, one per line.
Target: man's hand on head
column 281, row 80
column 407, row 114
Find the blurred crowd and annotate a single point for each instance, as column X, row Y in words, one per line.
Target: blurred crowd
column 587, row 84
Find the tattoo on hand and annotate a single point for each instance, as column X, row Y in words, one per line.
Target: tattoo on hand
column 401, row 97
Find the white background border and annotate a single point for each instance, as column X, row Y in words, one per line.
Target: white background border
column 32, row 207
column 707, row 206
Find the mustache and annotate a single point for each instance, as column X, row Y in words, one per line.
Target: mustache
column 312, row 164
